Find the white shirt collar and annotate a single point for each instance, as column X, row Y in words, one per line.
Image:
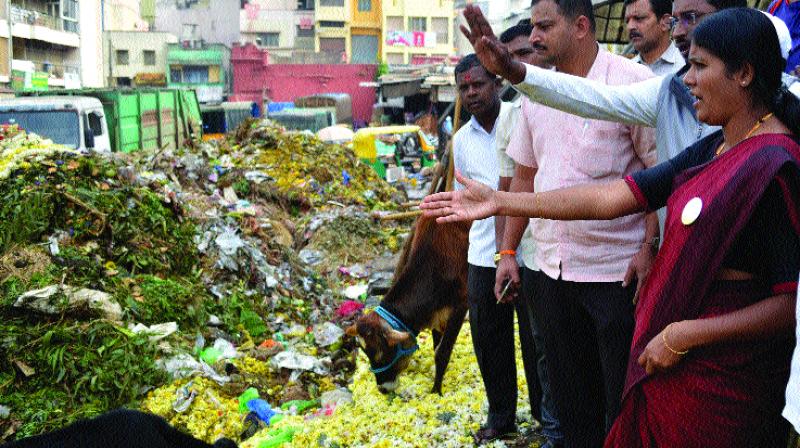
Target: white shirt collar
column 670, row 56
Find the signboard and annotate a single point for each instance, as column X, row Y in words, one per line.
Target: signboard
column 150, row 79
column 411, row 39
column 29, row 81
column 209, row 94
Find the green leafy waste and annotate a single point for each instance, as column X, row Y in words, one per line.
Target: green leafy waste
column 80, row 370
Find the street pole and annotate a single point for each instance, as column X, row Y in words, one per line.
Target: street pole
column 10, row 40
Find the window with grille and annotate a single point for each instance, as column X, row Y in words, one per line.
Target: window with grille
column 440, row 26
column 69, row 15
column 417, row 24
column 331, row 2
column 394, row 58
column 331, row 24
column 305, row 32
column 149, row 57
column 122, row 57
column 175, row 74
column 270, row 39
column 394, row 23
column 365, row 5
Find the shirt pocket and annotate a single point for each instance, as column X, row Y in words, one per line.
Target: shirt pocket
column 600, row 149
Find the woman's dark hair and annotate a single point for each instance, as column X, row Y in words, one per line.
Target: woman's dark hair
column 742, row 36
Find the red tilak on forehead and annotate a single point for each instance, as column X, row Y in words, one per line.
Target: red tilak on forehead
column 467, row 77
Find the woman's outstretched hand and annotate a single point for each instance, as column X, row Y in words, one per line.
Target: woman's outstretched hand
column 475, row 201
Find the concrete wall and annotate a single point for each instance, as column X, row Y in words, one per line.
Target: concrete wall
column 274, row 16
column 217, row 20
column 136, row 42
column 91, row 51
column 254, row 79
column 123, row 15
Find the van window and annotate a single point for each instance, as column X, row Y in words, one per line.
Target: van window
column 96, row 123
column 59, row 126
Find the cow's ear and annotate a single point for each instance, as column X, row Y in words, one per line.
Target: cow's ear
column 352, row 330
column 394, row 337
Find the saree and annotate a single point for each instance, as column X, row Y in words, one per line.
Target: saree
column 728, row 394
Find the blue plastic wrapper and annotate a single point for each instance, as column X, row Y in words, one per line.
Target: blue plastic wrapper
column 262, row 409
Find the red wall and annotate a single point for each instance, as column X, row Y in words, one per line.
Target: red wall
column 254, row 78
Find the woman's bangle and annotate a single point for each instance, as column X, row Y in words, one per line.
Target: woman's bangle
column 664, row 338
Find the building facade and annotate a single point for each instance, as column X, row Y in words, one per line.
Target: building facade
column 5, row 41
column 123, row 15
column 365, row 31
column 207, row 21
column 50, row 44
column 284, row 27
column 136, row 58
column 205, row 68
column 332, row 23
column 417, row 31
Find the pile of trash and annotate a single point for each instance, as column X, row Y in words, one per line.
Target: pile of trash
column 210, row 285
column 300, row 170
column 124, row 274
column 356, row 415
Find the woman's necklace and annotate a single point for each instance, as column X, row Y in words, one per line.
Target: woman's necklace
column 753, row 129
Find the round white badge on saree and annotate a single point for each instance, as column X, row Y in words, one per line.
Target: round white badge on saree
column 691, row 211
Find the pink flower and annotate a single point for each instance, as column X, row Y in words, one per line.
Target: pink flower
column 348, row 308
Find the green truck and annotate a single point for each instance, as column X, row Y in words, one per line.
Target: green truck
column 124, row 120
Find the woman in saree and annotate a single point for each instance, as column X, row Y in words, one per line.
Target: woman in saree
column 714, row 327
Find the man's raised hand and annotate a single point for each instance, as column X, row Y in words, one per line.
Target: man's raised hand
column 492, row 53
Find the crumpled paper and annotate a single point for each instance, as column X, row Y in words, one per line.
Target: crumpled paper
column 42, row 300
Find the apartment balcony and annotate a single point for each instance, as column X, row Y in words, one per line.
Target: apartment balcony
column 30, row 24
column 66, row 75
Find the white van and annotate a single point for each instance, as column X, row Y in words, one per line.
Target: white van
column 78, row 122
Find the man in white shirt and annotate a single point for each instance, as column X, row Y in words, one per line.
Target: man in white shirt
column 649, row 23
column 491, row 322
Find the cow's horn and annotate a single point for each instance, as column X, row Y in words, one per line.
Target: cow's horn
column 394, row 337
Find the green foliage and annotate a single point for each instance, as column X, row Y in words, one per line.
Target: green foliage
column 242, row 187
column 153, row 300
column 383, row 68
column 131, row 224
column 237, row 309
column 81, row 370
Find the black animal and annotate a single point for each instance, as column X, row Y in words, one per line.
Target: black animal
column 121, row 428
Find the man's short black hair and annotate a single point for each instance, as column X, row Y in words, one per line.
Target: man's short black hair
column 572, row 9
column 525, row 21
column 659, row 7
column 515, row 32
column 471, row 61
column 725, row 4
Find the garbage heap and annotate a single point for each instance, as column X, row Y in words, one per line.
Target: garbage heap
column 209, row 285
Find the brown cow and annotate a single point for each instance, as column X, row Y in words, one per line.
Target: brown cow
column 429, row 291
